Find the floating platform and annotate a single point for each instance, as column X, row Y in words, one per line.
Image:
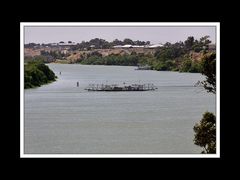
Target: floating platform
column 115, row 87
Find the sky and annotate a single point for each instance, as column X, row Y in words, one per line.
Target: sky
column 153, row 34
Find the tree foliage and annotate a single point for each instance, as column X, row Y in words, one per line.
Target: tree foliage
column 36, row 73
column 189, row 43
column 209, row 70
column 124, row 60
column 205, row 133
column 188, row 65
column 176, row 56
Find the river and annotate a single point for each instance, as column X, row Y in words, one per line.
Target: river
column 61, row 118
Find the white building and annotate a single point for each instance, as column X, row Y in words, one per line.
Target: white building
column 136, row 46
column 154, row 46
column 127, row 46
column 54, row 44
column 117, row 46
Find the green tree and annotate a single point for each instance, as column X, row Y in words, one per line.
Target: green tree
column 186, row 65
column 209, row 70
column 205, row 133
column 205, row 41
column 46, row 71
column 189, row 42
column 117, row 42
column 37, row 73
column 128, row 41
column 195, row 67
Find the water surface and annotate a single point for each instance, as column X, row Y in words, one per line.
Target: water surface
column 63, row 118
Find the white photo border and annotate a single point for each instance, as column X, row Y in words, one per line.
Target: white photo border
column 119, row 24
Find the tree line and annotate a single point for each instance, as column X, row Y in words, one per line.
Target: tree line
column 98, row 43
column 170, row 57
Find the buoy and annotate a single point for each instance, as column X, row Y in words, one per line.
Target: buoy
column 77, row 84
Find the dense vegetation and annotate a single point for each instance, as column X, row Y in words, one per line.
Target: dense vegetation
column 123, row 60
column 170, row 57
column 205, row 130
column 176, row 57
column 205, row 133
column 36, row 73
column 209, row 70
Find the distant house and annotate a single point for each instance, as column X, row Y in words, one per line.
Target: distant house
column 127, row 46
column 92, row 46
column 123, row 46
column 117, row 46
column 54, row 44
column 137, row 46
column 154, row 46
column 64, row 51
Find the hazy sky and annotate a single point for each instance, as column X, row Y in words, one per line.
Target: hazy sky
column 152, row 34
